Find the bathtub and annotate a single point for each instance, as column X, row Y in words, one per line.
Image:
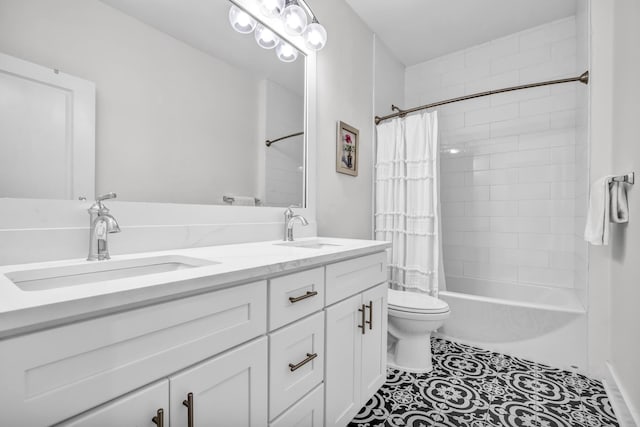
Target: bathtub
column 542, row 324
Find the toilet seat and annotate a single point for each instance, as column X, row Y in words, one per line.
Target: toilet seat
column 419, row 315
column 412, row 302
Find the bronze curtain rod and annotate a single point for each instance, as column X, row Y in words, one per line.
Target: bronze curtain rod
column 583, row 78
column 269, row 142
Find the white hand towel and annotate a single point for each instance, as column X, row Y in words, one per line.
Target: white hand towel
column 597, row 230
column 619, row 203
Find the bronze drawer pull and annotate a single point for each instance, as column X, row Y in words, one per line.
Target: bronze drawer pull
column 364, row 322
column 159, row 418
column 189, row 404
column 370, row 321
column 309, row 294
column 310, row 357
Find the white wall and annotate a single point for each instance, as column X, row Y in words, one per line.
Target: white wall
column 581, row 256
column 625, row 242
column 156, row 138
column 507, row 161
column 345, row 82
column 284, row 160
column 601, row 128
column 389, row 80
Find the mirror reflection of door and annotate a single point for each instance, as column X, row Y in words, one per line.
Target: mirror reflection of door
column 47, row 132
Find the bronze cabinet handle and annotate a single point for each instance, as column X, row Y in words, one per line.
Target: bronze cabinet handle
column 370, row 321
column 309, row 294
column 189, row 404
column 310, row 357
column 361, row 310
column 159, row 418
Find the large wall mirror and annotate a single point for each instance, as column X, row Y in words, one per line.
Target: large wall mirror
column 184, row 105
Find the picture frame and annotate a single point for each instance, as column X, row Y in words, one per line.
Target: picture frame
column 347, row 140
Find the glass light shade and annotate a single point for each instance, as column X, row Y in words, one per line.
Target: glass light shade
column 271, row 7
column 315, row 36
column 241, row 21
column 295, row 19
column 286, row 52
column 265, row 37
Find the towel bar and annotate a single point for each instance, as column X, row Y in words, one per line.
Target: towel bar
column 628, row 178
column 231, row 199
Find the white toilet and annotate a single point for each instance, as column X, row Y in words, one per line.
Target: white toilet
column 412, row 318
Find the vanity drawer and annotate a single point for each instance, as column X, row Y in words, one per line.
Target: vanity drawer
column 51, row 375
column 347, row 278
column 294, row 296
column 293, row 368
column 308, row 412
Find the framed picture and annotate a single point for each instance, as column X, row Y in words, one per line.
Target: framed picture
column 347, row 149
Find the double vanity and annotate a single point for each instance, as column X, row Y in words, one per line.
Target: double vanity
column 258, row 334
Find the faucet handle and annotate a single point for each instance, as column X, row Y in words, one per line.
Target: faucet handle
column 97, row 206
column 289, row 212
column 106, row 197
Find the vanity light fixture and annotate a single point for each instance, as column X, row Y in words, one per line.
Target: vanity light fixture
column 315, row 36
column 294, row 17
column 286, row 52
column 271, row 7
column 241, row 21
column 265, row 37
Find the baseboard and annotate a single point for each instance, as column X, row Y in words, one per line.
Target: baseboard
column 627, row 414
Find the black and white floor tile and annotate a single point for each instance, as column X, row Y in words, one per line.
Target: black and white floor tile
column 478, row 388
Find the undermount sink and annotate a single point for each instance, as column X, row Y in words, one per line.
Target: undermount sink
column 97, row 271
column 309, row 244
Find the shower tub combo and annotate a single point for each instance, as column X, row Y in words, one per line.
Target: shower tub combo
column 539, row 323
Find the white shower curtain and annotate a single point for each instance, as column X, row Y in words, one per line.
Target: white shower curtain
column 407, row 201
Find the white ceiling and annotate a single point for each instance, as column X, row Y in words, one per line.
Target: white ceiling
column 419, row 30
column 204, row 25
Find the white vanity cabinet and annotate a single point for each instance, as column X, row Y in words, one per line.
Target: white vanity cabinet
column 304, row 348
column 356, row 346
column 52, row 375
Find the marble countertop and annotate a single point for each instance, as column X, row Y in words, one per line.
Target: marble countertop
column 23, row 311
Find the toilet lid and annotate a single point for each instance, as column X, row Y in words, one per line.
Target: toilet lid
column 415, row 302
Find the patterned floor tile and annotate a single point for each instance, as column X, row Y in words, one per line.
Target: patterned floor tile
column 478, row 388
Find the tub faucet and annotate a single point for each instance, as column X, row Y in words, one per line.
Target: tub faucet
column 101, row 223
column 289, row 220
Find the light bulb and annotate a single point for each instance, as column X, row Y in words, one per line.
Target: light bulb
column 241, row 21
column 271, row 7
column 315, row 36
column 265, row 37
column 295, row 19
column 286, row 52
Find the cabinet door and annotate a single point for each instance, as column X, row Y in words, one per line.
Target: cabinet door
column 228, row 390
column 343, row 356
column 374, row 341
column 132, row 410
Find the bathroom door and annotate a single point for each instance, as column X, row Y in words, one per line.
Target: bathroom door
column 47, row 132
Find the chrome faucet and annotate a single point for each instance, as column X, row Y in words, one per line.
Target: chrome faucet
column 101, row 223
column 289, row 220
column 288, row 214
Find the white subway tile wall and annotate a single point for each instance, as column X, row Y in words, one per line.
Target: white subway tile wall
column 514, row 165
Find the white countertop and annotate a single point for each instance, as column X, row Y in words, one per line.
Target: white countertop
column 23, row 311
